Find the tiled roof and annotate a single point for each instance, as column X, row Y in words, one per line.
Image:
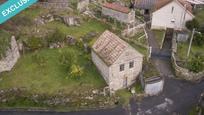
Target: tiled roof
column 157, row 4
column 160, row 3
column 109, row 47
column 145, row 4
column 117, row 7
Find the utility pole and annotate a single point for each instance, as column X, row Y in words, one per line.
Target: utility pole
column 189, row 48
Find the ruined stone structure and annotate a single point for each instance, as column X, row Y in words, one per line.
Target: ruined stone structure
column 56, row 4
column 12, row 56
column 82, row 5
column 118, row 12
column 117, row 61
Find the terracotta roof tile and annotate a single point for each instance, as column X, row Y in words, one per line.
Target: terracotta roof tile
column 109, row 47
column 117, row 7
column 157, row 4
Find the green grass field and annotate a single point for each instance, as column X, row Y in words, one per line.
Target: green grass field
column 52, row 77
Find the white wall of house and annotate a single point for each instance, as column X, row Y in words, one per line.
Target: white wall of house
column 122, row 79
column 122, row 17
column 173, row 15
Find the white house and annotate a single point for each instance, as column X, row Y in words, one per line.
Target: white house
column 117, row 61
column 171, row 14
column 118, row 12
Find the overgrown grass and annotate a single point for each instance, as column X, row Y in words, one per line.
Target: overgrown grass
column 5, row 39
column 183, row 49
column 200, row 15
column 79, row 31
column 159, row 35
column 124, row 95
column 51, row 78
column 150, row 70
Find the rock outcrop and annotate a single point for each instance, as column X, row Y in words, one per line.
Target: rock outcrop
column 12, row 56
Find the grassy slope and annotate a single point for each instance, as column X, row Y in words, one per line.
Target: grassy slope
column 51, row 78
column 159, row 35
column 89, row 26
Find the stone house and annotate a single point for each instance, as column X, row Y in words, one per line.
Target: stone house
column 116, row 60
column 118, row 12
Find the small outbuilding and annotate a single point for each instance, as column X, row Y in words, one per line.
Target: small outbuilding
column 118, row 12
column 116, row 60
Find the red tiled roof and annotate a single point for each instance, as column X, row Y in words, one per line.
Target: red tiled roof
column 161, row 3
column 117, row 7
column 109, row 47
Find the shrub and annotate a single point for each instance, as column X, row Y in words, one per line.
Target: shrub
column 4, row 42
column 67, row 59
column 56, row 36
column 198, row 39
column 192, row 24
column 34, row 43
column 76, row 71
column 196, row 64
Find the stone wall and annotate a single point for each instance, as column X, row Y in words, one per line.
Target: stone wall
column 12, row 56
column 54, row 4
column 82, row 5
column 183, row 72
column 122, row 17
column 153, row 85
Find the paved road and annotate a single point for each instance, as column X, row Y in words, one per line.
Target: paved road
column 178, row 95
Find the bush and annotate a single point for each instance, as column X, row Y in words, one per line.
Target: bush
column 5, row 39
column 196, row 64
column 75, row 71
column 198, row 39
column 67, row 59
column 192, row 24
column 35, row 43
column 56, row 36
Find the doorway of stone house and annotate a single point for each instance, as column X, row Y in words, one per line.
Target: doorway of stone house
column 125, row 81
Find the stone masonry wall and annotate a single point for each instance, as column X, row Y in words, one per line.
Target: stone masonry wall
column 12, row 56
column 183, row 72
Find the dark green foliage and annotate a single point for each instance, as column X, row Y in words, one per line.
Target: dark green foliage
column 67, row 59
column 192, row 24
column 4, row 42
column 196, row 64
column 34, row 43
column 198, row 39
column 56, row 36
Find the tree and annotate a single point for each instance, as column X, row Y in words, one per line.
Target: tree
column 198, row 39
column 192, row 24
